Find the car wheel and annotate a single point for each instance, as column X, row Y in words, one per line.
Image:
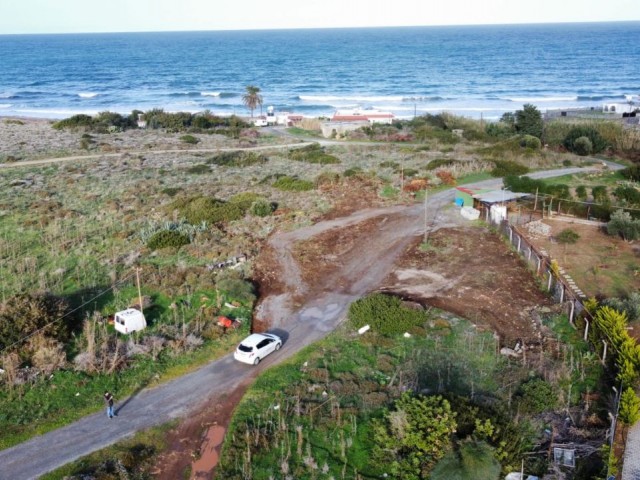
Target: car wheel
column 278, row 345
column 256, row 361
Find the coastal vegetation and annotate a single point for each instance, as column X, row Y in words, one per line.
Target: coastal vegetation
column 175, row 216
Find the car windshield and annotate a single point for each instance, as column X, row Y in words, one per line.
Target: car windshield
column 245, row 348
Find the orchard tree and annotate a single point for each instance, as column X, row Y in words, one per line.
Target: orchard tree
column 529, row 121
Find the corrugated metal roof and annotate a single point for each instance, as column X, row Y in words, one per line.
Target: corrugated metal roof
column 497, row 196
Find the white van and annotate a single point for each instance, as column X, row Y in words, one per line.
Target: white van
column 129, row 320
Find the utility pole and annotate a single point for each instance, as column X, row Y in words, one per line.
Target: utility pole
column 426, row 194
column 139, row 291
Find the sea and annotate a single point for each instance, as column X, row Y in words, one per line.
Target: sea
column 474, row 71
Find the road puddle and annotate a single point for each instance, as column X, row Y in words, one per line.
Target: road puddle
column 209, row 453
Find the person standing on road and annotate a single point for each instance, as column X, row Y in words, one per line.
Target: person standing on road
column 108, row 398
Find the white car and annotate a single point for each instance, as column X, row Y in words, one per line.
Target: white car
column 257, row 346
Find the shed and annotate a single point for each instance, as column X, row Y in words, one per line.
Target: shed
column 129, row 320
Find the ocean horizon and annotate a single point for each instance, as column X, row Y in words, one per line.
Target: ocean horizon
column 474, row 71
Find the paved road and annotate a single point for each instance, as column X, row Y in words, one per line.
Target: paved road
column 158, row 405
column 631, row 466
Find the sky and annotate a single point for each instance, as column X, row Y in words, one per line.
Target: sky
column 79, row 16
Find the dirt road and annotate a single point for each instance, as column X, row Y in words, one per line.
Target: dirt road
column 299, row 310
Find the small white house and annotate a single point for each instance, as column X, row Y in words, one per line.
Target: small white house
column 129, row 320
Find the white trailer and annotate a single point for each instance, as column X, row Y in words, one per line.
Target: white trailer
column 129, row 320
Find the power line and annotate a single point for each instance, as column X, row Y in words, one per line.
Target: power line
column 66, row 314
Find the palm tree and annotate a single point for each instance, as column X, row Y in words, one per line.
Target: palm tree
column 252, row 98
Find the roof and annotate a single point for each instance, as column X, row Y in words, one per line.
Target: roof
column 497, row 196
column 357, row 114
column 255, row 338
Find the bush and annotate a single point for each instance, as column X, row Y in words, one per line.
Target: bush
column 171, row 191
column 598, row 144
column 76, row 121
column 167, row 238
column 632, row 173
column 628, row 195
column 190, row 139
column 313, row 153
column 629, row 407
column 568, row 236
column 199, row 169
column 440, row 162
column 599, row 193
column 529, row 141
column 25, row 313
column 352, row 172
column 536, row 396
column 385, row 314
column 262, row 208
column 582, row 146
column 292, row 184
column 505, row 168
column 581, row 192
column 237, row 159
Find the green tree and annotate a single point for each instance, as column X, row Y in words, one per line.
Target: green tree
column 252, row 98
column 529, row 121
column 412, row 439
column 624, row 225
column 629, row 407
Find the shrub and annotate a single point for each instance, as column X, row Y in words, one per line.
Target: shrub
column 237, row 159
column 629, row 195
column 171, row 191
column 76, row 121
column 529, row 141
column 446, row 177
column 389, row 164
column 327, row 178
column 581, row 192
column 599, row 193
column 293, row 184
column 558, row 190
column 262, row 208
column 440, row 162
column 568, row 236
column 167, row 238
column 598, row 144
column 536, row 396
column 23, row 314
column 385, row 314
column 234, row 287
column 352, row 172
column 505, row 168
column 582, row 146
column 629, row 407
column 190, row 139
column 245, row 199
column 199, row 169
column 632, row 173
column 313, row 153
column 409, row 441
